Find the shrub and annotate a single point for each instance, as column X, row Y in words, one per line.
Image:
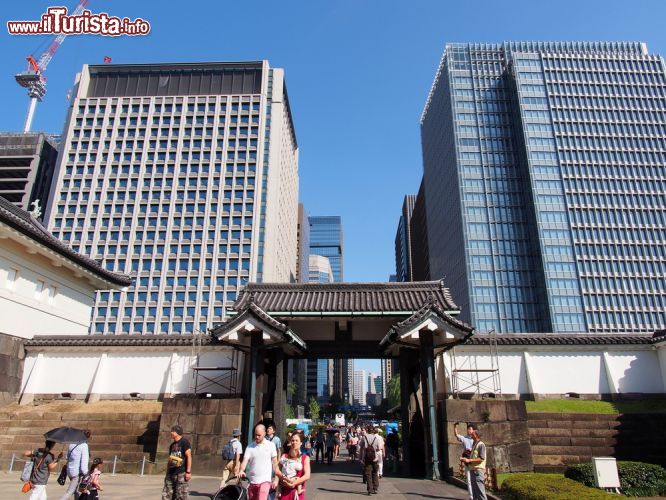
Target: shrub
column 532, row 486
column 636, row 478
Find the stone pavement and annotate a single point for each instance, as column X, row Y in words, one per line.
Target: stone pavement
column 336, row 482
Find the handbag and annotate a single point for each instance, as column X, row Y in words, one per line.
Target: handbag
column 62, row 478
column 27, row 486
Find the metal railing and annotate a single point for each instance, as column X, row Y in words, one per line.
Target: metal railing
column 141, row 463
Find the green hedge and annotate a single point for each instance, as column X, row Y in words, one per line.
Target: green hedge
column 636, row 478
column 532, row 486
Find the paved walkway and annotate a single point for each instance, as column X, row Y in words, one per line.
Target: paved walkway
column 336, row 482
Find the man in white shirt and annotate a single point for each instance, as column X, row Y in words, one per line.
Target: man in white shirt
column 77, row 466
column 467, row 445
column 261, row 461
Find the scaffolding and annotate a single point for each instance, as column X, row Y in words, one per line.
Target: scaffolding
column 469, row 377
column 218, row 381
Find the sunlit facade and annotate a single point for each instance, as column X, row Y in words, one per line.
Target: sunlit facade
column 545, row 185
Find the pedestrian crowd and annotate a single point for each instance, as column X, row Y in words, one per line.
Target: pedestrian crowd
column 82, row 473
column 272, row 469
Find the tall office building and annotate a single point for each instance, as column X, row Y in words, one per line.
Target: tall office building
column 320, row 379
column 418, row 238
column 389, row 368
column 27, row 164
column 184, row 175
column 403, row 247
column 360, row 387
column 326, row 240
column 545, row 187
column 303, row 247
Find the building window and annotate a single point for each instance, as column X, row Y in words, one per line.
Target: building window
column 12, row 277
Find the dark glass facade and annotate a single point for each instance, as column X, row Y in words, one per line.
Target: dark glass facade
column 545, row 187
column 326, row 240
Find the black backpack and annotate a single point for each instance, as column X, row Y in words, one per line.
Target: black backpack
column 85, row 483
column 370, row 453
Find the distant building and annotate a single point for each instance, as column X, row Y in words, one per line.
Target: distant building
column 403, row 246
column 418, row 227
column 544, row 185
column 320, row 269
column 303, row 253
column 27, row 165
column 326, row 240
column 360, row 387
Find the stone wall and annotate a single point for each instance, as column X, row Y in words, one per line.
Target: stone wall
column 12, row 355
column 502, row 426
column 561, row 439
column 207, row 424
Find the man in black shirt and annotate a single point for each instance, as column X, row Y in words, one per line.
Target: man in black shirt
column 179, row 467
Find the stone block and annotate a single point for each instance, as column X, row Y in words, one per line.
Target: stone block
column 548, row 432
column 206, row 424
column 516, row 410
column 233, row 406
column 207, row 444
column 551, row 440
column 187, row 422
column 589, row 424
column 520, row 457
column 560, row 424
column 460, row 410
column 555, row 459
column 228, row 423
column 498, row 457
column 209, row 406
column 587, row 441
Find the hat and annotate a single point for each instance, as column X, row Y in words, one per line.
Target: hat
column 236, row 432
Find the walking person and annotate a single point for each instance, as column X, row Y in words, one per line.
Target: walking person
column 44, row 464
column 320, row 441
column 353, row 446
column 260, row 460
column 273, row 437
column 393, row 448
column 294, row 472
column 477, row 465
column 231, row 454
column 336, row 438
column 78, row 456
column 90, row 484
column 467, row 444
column 381, row 453
column 330, row 447
column 179, row 467
column 371, row 444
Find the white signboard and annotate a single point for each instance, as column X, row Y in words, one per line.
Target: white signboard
column 340, row 419
column 605, row 472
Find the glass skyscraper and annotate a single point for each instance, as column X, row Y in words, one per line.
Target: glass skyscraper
column 403, row 247
column 326, row 240
column 545, row 185
column 184, row 176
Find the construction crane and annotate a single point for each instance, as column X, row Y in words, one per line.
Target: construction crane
column 33, row 78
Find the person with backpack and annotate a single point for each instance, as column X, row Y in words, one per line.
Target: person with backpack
column 43, row 463
column 372, row 445
column 231, row 454
column 89, row 487
column 477, row 464
column 78, row 455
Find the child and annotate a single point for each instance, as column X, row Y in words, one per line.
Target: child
column 290, row 465
column 89, row 485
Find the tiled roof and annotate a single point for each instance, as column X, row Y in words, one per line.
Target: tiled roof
column 23, row 222
column 295, row 298
column 563, row 339
column 426, row 311
column 116, row 340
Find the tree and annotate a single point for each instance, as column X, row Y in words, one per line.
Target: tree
column 313, row 406
column 393, row 390
column 290, row 412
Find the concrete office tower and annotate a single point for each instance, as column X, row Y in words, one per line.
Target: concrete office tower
column 320, row 269
column 544, row 185
column 27, row 164
column 403, row 246
column 326, row 240
column 360, row 387
column 303, row 248
column 184, row 175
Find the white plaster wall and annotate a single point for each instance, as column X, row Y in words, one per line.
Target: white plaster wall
column 558, row 372
column 148, row 372
column 57, row 373
column 635, row 371
column 25, row 311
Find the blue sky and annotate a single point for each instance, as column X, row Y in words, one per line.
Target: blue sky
column 358, row 73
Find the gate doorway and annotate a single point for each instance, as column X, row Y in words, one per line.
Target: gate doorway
column 408, row 322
